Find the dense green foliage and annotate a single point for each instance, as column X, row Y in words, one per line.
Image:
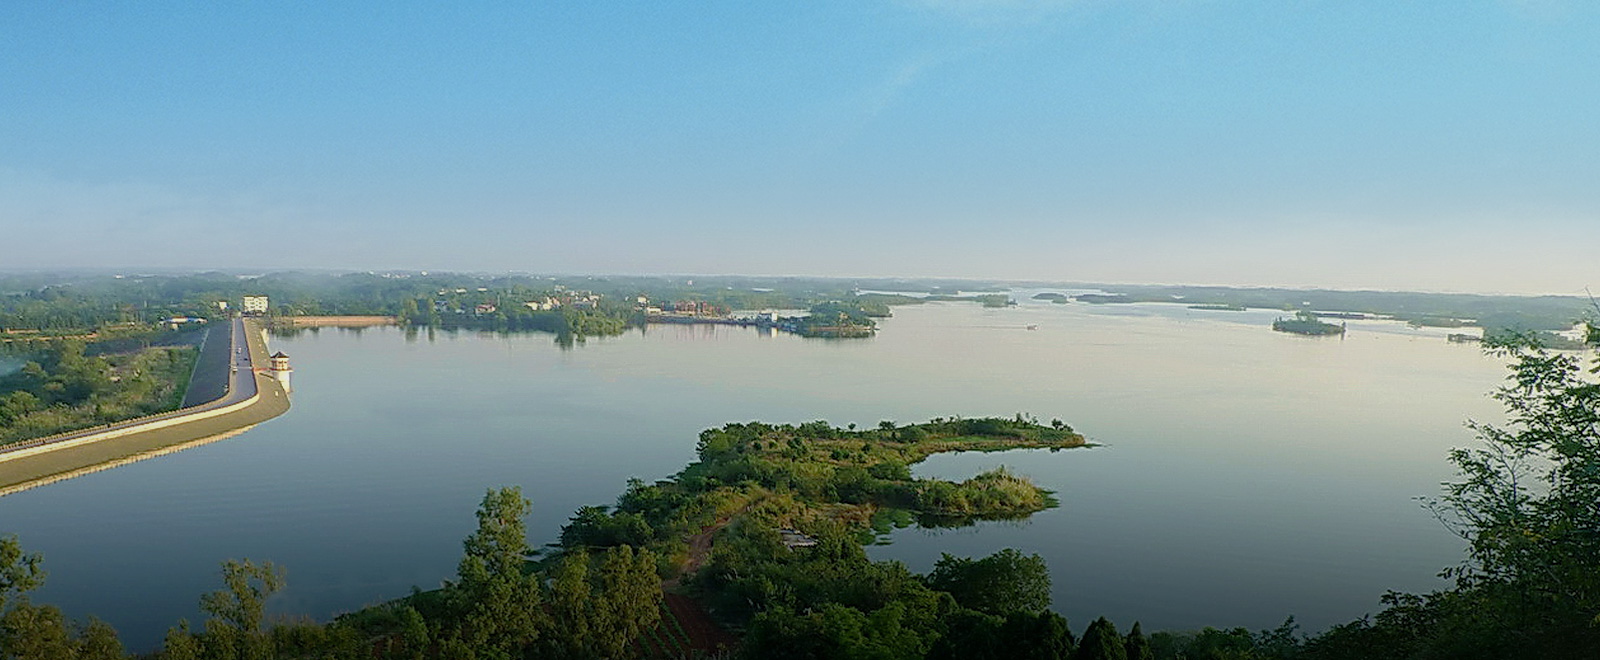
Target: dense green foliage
column 586, row 607
column 879, row 304
column 1101, row 642
column 1002, row 583
column 838, row 319
column 20, row 572
column 825, row 464
column 62, row 388
column 831, row 601
column 822, row 597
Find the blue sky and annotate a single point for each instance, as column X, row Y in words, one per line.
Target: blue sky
column 1393, row 145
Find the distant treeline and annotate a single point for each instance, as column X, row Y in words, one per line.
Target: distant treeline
column 67, row 303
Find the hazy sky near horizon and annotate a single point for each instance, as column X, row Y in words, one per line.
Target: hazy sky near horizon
column 1392, row 145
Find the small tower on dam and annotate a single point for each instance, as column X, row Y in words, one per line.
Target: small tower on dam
column 281, row 370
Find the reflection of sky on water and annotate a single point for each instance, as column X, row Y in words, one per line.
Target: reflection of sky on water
column 1246, row 474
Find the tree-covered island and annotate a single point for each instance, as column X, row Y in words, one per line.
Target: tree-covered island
column 1307, row 323
column 836, row 319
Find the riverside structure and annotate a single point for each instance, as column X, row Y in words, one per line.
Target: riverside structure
column 253, row 394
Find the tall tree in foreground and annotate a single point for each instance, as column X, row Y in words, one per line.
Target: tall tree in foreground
column 1101, row 642
column 499, row 599
column 42, row 632
column 20, row 571
column 1138, row 647
column 234, row 629
column 1528, row 503
column 29, row 632
column 600, row 612
column 100, row 642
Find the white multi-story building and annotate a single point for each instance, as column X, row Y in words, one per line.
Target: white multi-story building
column 255, row 304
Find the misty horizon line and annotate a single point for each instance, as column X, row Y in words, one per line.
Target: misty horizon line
column 252, row 273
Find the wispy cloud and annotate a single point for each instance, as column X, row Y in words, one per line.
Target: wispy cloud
column 895, row 84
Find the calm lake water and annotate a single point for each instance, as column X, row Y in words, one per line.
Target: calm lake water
column 1244, row 475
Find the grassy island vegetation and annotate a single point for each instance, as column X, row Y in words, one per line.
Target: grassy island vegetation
column 814, row 474
column 847, row 474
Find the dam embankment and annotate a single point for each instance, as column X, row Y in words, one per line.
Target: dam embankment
column 251, row 396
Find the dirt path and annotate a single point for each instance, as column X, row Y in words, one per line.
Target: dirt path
column 704, row 637
column 700, row 547
column 699, row 551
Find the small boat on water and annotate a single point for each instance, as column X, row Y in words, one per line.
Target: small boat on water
column 1033, row 326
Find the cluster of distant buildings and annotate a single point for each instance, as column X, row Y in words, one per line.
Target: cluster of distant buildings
column 685, row 308
column 576, row 299
column 448, row 301
column 253, row 306
column 568, row 299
